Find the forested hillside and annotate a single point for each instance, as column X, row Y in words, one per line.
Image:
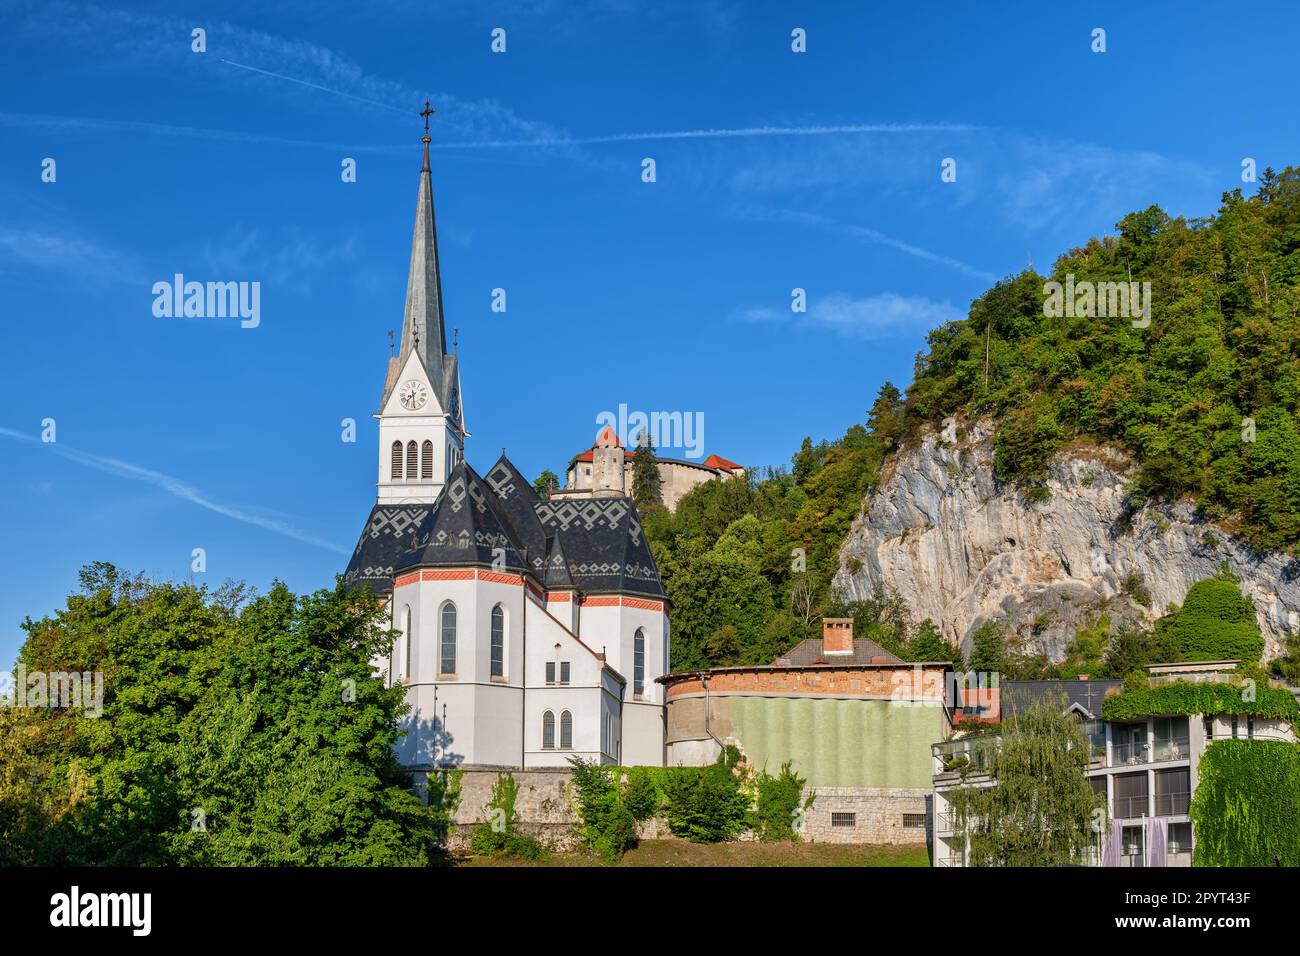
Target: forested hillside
column 1204, row 398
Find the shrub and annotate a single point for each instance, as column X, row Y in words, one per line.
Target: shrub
column 500, row 836
column 607, row 826
column 640, row 794
column 1215, row 623
column 779, row 815
column 706, row 804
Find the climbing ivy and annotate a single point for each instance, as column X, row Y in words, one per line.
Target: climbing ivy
column 1247, row 805
column 1184, row 697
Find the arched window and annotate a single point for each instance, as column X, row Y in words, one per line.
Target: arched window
column 412, row 452
column 406, row 641
column 638, row 662
column 566, row 731
column 447, row 655
column 498, row 641
column 397, row 461
column 426, row 460
column 548, row 731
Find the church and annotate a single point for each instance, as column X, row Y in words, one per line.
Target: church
column 530, row 630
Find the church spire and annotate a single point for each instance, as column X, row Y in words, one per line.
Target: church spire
column 423, row 328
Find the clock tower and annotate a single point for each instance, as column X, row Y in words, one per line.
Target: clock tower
column 421, row 426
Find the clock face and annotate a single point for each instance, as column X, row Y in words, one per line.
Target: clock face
column 413, row 395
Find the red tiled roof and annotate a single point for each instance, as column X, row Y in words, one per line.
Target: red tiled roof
column 717, row 461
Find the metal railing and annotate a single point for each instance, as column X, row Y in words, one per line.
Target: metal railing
column 1125, row 755
column 1127, row 808
column 1179, row 748
column 1173, row 804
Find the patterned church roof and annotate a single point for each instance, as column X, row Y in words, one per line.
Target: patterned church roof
column 594, row 544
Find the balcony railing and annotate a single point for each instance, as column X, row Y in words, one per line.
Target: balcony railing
column 1172, row 804
column 1129, row 807
column 1177, row 749
column 1124, row 755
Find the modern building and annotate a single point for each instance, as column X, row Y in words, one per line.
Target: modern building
column 530, row 631
column 1146, row 768
column 852, row 719
column 606, row 469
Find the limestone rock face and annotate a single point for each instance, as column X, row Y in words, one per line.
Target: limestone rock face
column 961, row 547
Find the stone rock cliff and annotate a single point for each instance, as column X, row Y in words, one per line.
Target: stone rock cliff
column 961, row 547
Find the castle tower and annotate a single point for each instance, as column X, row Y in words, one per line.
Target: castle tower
column 607, row 465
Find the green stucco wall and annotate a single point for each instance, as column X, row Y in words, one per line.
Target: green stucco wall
column 837, row 742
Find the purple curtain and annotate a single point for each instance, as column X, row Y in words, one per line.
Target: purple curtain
column 1110, row 852
column 1157, row 841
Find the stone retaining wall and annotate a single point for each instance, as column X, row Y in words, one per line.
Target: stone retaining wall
column 545, row 810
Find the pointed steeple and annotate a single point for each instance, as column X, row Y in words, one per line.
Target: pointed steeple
column 423, row 325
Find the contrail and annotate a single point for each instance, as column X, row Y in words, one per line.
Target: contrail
column 744, row 131
column 314, row 86
column 85, row 122
column 177, row 488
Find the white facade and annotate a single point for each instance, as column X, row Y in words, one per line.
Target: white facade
column 499, row 670
column 551, row 695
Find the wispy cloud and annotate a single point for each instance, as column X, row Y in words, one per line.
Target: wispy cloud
column 179, row 489
column 67, row 253
column 868, row 318
column 294, row 260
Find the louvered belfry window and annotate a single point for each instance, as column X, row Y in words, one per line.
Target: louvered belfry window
column 412, row 453
column 426, row 461
column 397, row 461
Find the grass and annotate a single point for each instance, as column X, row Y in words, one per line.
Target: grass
column 683, row 853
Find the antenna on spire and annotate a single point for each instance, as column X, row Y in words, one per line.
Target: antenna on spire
column 455, row 341
column 391, row 348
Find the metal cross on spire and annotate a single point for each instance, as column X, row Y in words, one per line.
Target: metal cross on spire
column 426, row 113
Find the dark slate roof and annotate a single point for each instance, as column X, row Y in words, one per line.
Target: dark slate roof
column 555, row 574
column 516, row 498
column 809, row 653
column 465, row 526
column 1017, row 695
column 602, row 539
column 389, row 533
column 593, row 544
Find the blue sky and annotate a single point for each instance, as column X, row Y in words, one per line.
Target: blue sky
column 174, row 433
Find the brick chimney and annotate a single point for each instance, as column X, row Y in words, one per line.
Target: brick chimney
column 837, row 635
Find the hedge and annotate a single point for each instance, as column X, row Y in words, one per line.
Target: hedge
column 1186, row 697
column 1246, row 810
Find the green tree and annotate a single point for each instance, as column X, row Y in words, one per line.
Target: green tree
column 1041, row 810
column 1216, row 622
column 647, row 484
column 987, row 647
column 927, row 644
column 545, row 483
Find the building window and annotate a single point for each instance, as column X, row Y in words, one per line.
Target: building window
column 447, row 658
column 1208, row 721
column 850, row 819
column 566, row 731
column 397, row 461
column 914, row 820
column 1234, row 726
column 412, row 453
column 1180, row 838
column 426, row 460
column 550, row 672
column 404, row 645
column 638, row 662
column 1171, row 738
column 1132, row 847
column 564, row 672
column 1250, row 728
column 548, row 731
column 1130, row 791
column 563, row 669
column 498, row 642
column 1173, row 792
